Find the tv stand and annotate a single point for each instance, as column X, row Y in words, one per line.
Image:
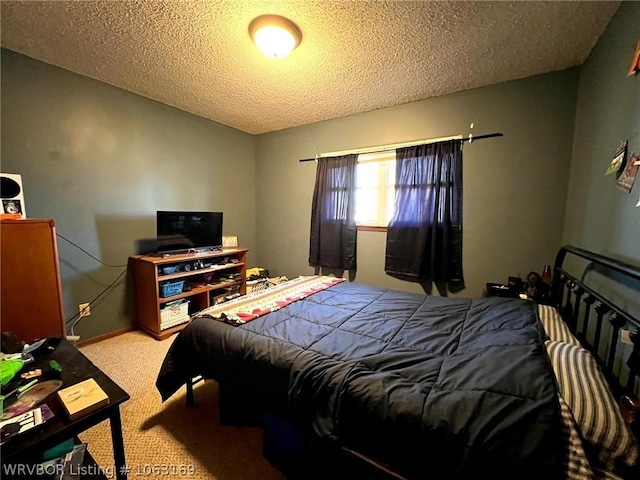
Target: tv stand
column 201, row 273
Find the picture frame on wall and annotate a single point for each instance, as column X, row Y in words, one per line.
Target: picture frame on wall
column 618, row 159
column 229, row 241
column 627, row 178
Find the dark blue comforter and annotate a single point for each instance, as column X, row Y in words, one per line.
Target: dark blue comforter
column 436, row 387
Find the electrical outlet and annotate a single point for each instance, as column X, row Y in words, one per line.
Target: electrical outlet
column 625, row 337
column 85, row 310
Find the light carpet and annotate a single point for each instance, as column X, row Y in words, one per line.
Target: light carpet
column 159, row 439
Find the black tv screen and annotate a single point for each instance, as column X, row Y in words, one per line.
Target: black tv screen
column 188, row 231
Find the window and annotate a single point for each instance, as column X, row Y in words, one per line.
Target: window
column 375, row 188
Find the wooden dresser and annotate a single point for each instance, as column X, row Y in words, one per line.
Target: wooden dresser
column 30, row 286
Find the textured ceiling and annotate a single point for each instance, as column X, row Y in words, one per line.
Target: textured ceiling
column 355, row 56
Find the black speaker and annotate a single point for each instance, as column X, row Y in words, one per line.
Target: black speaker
column 12, row 194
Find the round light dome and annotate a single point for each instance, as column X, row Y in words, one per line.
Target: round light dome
column 274, row 35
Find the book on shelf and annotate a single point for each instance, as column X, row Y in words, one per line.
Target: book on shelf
column 175, row 303
column 66, row 467
column 82, row 398
column 72, row 463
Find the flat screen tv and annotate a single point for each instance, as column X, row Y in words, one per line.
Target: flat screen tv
column 183, row 232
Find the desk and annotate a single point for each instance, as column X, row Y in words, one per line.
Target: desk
column 28, row 446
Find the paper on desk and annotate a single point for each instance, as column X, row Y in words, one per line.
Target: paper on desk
column 28, row 420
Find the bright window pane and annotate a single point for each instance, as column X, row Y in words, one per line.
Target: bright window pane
column 366, row 205
column 375, row 195
column 391, row 197
column 367, row 175
column 391, row 174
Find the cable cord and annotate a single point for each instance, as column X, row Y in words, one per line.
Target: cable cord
column 76, row 318
column 83, row 250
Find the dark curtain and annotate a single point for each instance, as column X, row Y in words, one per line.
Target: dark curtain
column 424, row 237
column 333, row 224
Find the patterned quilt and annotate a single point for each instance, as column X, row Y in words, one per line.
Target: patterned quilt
column 249, row 307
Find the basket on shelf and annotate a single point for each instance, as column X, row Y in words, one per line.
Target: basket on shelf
column 171, row 313
column 170, row 289
column 254, row 286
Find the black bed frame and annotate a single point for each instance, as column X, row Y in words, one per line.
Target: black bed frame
column 583, row 308
column 576, row 300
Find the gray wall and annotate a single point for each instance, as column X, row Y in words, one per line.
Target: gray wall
column 514, row 187
column 601, row 217
column 100, row 161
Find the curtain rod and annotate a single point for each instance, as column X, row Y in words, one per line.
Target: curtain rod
column 393, row 146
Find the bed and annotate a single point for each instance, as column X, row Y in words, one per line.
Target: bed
column 388, row 384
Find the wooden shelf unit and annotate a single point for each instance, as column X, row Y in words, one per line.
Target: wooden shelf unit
column 149, row 278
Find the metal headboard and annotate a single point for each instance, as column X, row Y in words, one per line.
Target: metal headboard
column 573, row 296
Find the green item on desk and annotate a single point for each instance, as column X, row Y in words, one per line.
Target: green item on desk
column 8, row 369
column 59, row 450
column 23, row 389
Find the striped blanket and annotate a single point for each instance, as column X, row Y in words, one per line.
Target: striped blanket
column 249, row 307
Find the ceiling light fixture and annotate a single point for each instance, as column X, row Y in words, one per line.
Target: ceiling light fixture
column 274, row 35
